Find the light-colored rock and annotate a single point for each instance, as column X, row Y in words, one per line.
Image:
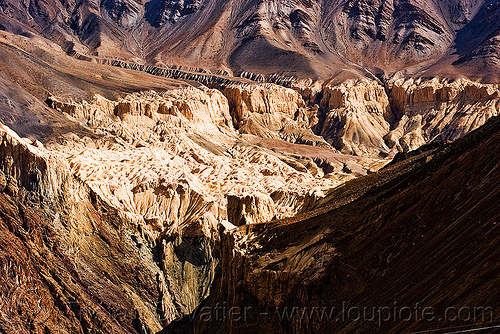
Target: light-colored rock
column 263, row 98
column 364, row 118
column 357, row 114
column 438, row 110
column 168, row 160
column 251, row 208
column 272, row 111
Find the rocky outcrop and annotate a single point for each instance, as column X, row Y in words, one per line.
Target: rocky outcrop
column 30, row 165
column 141, row 179
column 161, row 12
column 367, row 119
column 272, row 111
column 252, row 208
column 262, row 99
column 127, row 13
column 169, row 160
column 357, row 117
column 438, row 110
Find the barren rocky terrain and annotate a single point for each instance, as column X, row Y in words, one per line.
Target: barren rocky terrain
column 409, row 236
column 157, row 157
column 311, row 39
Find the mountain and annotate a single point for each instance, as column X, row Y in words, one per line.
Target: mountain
column 113, row 183
column 161, row 156
column 318, row 39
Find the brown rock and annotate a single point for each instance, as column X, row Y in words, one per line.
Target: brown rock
column 252, row 208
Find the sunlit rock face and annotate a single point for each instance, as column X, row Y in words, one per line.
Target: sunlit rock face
column 366, row 118
column 272, row 111
column 357, row 117
column 172, row 159
column 249, row 209
column 438, row 110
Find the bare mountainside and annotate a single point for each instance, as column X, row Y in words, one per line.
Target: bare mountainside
column 133, row 132
column 300, row 38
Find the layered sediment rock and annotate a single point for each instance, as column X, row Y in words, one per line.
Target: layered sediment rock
column 364, row 118
column 170, row 159
column 357, row 117
column 438, row 110
column 272, row 111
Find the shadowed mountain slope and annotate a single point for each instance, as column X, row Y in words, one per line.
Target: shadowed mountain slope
column 423, row 231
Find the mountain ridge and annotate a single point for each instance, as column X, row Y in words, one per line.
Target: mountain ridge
column 299, row 38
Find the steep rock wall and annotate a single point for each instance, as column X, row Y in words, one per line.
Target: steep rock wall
column 438, row 110
column 364, row 118
column 272, row 111
column 171, row 159
column 356, row 119
column 78, row 264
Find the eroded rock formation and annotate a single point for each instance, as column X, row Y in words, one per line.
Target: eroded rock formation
column 357, row 117
column 170, row 159
column 272, row 111
column 373, row 235
column 438, row 110
column 364, row 118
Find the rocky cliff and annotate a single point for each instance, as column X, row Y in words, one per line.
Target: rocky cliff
column 172, row 158
column 438, row 110
column 356, row 117
column 366, row 118
column 60, row 243
column 149, row 181
column 272, row 111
